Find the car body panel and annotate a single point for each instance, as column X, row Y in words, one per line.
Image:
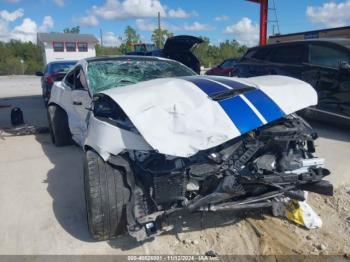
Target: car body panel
column 49, row 76
column 181, row 43
column 176, row 117
column 319, row 69
column 226, row 68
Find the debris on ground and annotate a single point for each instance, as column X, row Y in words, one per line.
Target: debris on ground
column 211, row 253
column 302, row 213
column 23, row 130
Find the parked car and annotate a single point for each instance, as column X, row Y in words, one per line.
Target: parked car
column 54, row 71
column 159, row 139
column 324, row 63
column 226, row 68
column 177, row 48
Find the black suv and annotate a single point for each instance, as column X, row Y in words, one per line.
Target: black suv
column 324, row 63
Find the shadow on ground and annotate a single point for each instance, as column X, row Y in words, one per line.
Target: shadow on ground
column 65, row 186
column 340, row 133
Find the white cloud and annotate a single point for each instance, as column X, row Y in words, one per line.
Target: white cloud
column 244, row 31
column 26, row 31
column 221, row 18
column 180, row 13
column 11, row 16
column 196, row 26
column 111, row 39
column 59, row 3
column 47, row 24
column 124, row 9
column 115, row 9
column 145, row 25
column 88, row 20
column 330, row 14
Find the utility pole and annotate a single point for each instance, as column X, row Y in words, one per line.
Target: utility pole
column 159, row 31
column 101, row 37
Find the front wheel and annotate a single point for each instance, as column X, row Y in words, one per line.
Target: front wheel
column 106, row 197
column 58, row 124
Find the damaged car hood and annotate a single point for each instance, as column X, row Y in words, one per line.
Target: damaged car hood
column 181, row 116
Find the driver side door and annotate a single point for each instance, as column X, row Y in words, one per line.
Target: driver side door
column 77, row 104
column 331, row 83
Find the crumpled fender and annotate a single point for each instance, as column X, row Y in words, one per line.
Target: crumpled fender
column 176, row 116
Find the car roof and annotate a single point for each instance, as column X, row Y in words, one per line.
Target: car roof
column 62, row 62
column 340, row 41
column 126, row 57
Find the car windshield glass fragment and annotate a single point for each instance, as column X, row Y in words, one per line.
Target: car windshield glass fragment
column 108, row 74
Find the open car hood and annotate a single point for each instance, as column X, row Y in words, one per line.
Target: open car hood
column 180, row 43
column 177, row 116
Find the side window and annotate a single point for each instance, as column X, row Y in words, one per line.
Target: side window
column 291, row 54
column 226, row 64
column 262, row 54
column 80, row 80
column 82, row 47
column 326, row 56
column 46, row 70
column 69, row 81
column 71, row 46
column 58, row 46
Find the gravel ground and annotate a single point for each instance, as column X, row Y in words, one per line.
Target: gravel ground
column 42, row 200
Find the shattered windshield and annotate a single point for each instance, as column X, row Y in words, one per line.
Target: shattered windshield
column 106, row 74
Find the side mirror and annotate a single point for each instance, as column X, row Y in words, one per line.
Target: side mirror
column 39, row 73
column 344, row 65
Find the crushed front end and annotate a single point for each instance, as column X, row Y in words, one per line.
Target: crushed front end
column 248, row 172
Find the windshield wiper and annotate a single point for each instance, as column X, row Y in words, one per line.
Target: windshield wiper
column 231, row 93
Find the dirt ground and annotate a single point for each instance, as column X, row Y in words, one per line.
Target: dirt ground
column 42, row 201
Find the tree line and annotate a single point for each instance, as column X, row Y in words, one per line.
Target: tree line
column 18, row 57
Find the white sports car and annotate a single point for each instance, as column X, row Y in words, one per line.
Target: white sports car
column 158, row 138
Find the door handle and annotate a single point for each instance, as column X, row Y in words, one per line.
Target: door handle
column 77, row 103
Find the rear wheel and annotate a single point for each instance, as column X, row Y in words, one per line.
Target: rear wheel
column 106, row 197
column 59, row 128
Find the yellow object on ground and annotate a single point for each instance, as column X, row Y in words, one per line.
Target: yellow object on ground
column 301, row 213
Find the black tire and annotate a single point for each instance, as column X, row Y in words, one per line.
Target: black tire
column 106, row 198
column 59, row 128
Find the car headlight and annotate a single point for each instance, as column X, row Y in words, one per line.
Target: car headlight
column 105, row 109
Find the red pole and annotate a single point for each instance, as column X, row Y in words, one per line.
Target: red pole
column 264, row 10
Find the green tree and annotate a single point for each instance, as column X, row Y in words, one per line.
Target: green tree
column 210, row 55
column 104, row 50
column 73, row 30
column 159, row 36
column 131, row 37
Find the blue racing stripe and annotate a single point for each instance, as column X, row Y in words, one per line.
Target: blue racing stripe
column 231, row 83
column 205, row 85
column 241, row 114
column 265, row 105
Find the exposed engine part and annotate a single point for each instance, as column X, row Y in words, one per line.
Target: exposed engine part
column 174, row 190
column 248, row 172
column 266, row 162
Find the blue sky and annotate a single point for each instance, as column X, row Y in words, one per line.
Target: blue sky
column 218, row 20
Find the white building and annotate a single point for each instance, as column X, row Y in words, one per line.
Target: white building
column 66, row 46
